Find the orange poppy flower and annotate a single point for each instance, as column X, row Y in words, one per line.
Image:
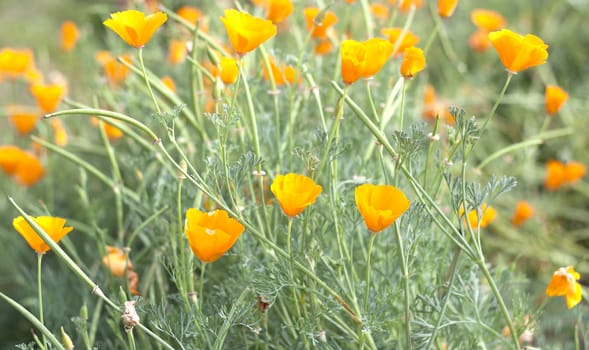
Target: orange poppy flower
column 10, row 157
column 564, row 283
column 16, row 62
column 229, row 70
column 518, row 52
column 282, row 75
column 363, row 59
column 194, row 16
column 400, row 43
column 278, row 10
column 177, row 51
column 350, row 1
column 116, row 261
column 245, row 31
column 294, row 192
column 487, row 20
column 446, row 8
column 48, row 96
column 380, row 205
column 523, row 211
column 116, row 72
column 323, row 47
column 555, row 98
column 59, row 132
column 413, row 62
column 379, row 11
column 559, row 174
column 112, row 132
column 24, row 121
column 169, row 83
column 29, row 170
column 405, row 5
column 432, row 107
column 479, row 41
column 134, row 27
column 53, row 226
column 69, row 35
column 319, row 26
column 211, row 234
column 488, row 215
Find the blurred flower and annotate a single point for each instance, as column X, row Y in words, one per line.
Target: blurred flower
column 211, row 234
column 15, row 63
column 350, row 1
column 245, row 31
column 432, row 107
column 518, row 52
column 446, row 8
column 380, row 205
column 69, row 34
column 53, row 226
column 555, row 98
column 48, row 96
column 294, row 192
column 134, row 27
column 278, row 10
column 479, row 41
column 558, row 174
column 116, row 261
column 379, row 10
column 487, row 20
column 229, row 70
column 523, row 211
column 169, row 83
column 24, row 121
column 177, row 51
column 323, row 47
column 116, row 72
column 112, row 132
column 405, row 5
column 400, row 43
column 488, row 215
column 193, row 15
column 29, row 170
column 59, row 133
column 10, row 157
column 282, row 75
column 564, row 283
column 319, row 26
column 413, row 62
column 363, row 59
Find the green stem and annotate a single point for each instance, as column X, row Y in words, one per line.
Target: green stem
column 157, row 107
column 368, row 20
column 182, row 265
column 40, row 295
column 201, row 285
column 403, row 93
column 334, row 131
column 371, row 100
column 252, row 111
column 367, row 292
column 405, row 271
column 501, row 94
column 131, row 340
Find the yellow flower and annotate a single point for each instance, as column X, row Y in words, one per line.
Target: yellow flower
column 169, row 83
column 69, row 35
column 446, row 7
column 413, row 62
column 53, row 226
column 24, row 121
column 294, row 192
column 523, row 211
column 555, row 97
column 487, row 20
column 564, row 283
column 245, row 31
column 16, row 63
column 278, row 10
column 558, row 173
column 134, row 27
column 116, row 72
column 47, row 96
column 211, row 234
column 363, row 59
column 488, row 215
column 177, row 51
column 10, row 157
column 380, row 205
column 59, row 132
column 518, row 52
column 229, row 70
column 112, row 132
column 380, row 11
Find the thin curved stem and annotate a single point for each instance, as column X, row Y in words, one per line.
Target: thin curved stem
column 40, row 295
column 157, row 107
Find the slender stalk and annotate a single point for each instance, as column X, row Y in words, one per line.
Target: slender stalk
column 368, row 20
column 40, row 295
column 157, row 107
column 403, row 93
column 367, row 292
column 501, row 94
column 405, row 270
column 184, row 274
column 131, row 340
column 201, row 285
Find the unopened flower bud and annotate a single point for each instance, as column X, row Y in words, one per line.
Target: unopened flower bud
column 66, row 340
column 180, row 174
